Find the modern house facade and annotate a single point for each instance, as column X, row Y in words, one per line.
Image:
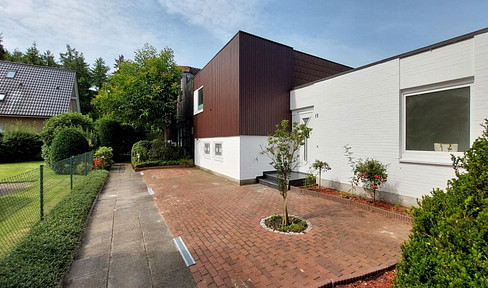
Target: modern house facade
column 411, row 111
column 239, row 97
column 29, row 94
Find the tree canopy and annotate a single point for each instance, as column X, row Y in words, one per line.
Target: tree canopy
column 143, row 92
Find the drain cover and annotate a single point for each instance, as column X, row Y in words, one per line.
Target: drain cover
column 184, row 251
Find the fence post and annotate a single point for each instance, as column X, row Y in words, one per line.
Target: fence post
column 71, row 171
column 41, row 185
column 86, row 163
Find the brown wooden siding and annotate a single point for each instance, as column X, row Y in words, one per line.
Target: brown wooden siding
column 220, row 81
column 308, row 68
column 266, row 78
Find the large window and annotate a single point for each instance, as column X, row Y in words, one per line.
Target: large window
column 438, row 120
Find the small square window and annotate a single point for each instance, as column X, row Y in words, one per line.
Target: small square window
column 218, row 149
column 206, row 148
column 2, row 96
column 11, row 74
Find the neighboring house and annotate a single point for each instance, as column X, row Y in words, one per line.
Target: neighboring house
column 411, row 111
column 239, row 97
column 29, row 94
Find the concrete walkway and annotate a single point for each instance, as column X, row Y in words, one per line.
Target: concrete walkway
column 127, row 242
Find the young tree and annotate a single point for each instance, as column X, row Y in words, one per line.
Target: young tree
column 143, row 92
column 99, row 73
column 74, row 60
column 282, row 149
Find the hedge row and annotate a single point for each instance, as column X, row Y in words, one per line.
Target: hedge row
column 45, row 254
column 19, row 146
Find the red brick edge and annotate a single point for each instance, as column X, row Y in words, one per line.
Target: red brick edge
column 331, row 283
column 345, row 201
column 137, row 169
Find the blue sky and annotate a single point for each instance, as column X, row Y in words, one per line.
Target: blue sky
column 354, row 33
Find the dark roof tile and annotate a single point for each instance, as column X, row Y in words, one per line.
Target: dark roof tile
column 33, row 91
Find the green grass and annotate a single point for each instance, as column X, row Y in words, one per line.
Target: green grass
column 20, row 209
column 10, row 169
column 45, row 254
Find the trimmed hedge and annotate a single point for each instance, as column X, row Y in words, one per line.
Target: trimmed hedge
column 119, row 136
column 67, row 143
column 139, row 152
column 19, row 146
column 448, row 246
column 44, row 256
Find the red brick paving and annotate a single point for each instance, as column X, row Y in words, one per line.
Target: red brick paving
column 219, row 223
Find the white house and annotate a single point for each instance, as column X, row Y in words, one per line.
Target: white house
column 411, row 112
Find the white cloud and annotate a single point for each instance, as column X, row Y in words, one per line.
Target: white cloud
column 222, row 18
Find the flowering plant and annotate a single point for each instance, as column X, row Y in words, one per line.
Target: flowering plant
column 371, row 173
column 320, row 165
column 100, row 163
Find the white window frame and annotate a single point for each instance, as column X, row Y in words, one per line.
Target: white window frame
column 431, row 157
column 197, row 109
column 218, row 157
column 206, row 155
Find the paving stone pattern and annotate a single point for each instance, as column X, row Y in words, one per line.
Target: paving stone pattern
column 220, row 224
column 127, row 243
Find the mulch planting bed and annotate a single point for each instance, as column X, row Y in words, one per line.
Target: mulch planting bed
column 368, row 201
column 384, row 280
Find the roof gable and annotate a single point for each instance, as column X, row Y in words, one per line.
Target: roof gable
column 35, row 91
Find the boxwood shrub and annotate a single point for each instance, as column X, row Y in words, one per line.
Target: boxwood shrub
column 68, row 142
column 139, row 152
column 44, row 256
column 448, row 245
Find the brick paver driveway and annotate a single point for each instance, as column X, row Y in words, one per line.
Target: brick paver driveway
column 219, row 223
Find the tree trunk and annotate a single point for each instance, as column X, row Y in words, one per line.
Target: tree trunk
column 284, row 219
column 320, row 178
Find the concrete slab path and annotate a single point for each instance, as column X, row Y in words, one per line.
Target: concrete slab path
column 127, row 242
column 220, row 224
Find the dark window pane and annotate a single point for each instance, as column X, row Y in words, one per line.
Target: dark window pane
column 438, row 121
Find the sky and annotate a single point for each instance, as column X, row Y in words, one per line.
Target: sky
column 353, row 33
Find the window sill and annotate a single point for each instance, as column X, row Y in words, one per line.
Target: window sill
column 198, row 112
column 428, row 158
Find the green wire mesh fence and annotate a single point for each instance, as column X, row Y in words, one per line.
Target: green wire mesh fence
column 25, row 198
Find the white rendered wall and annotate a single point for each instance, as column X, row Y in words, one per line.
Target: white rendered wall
column 363, row 109
column 227, row 164
column 253, row 163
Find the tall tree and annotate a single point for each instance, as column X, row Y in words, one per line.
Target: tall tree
column 283, row 147
column 48, row 59
column 32, row 55
column 74, row 60
column 119, row 61
column 143, row 92
column 99, row 73
column 16, row 56
column 3, row 51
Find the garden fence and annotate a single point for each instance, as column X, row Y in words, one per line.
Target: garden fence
column 26, row 198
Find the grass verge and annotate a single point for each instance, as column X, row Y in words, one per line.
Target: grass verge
column 11, row 169
column 45, row 254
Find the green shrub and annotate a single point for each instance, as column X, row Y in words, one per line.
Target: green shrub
column 310, row 180
column 164, row 151
column 139, row 152
column 103, row 158
column 187, row 163
column 56, row 124
column 69, row 142
column 19, row 146
column 448, row 245
column 45, row 254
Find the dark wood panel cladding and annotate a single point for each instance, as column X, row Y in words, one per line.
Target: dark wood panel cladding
column 308, row 68
column 266, row 78
column 220, row 81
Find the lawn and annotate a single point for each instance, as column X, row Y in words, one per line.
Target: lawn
column 19, row 201
column 11, row 169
